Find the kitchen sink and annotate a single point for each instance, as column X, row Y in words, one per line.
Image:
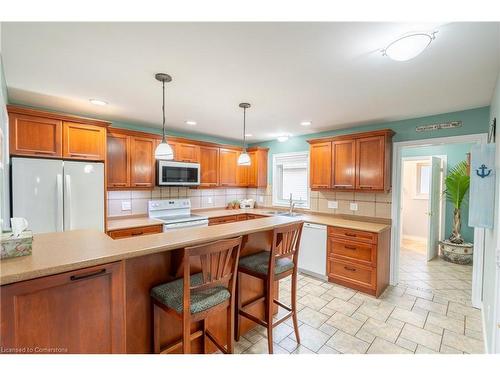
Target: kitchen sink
column 274, row 212
column 293, row 214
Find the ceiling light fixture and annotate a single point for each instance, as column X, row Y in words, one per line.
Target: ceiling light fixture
column 244, row 159
column 248, row 135
column 190, row 122
column 409, row 46
column 306, row 123
column 98, row 102
column 283, row 138
column 163, row 150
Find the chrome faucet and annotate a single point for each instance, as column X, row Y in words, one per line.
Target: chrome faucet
column 292, row 205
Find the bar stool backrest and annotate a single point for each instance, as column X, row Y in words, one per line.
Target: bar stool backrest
column 286, row 241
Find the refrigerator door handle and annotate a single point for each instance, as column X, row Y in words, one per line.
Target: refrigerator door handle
column 60, row 212
column 67, row 203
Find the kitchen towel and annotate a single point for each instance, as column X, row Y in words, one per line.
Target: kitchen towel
column 482, row 186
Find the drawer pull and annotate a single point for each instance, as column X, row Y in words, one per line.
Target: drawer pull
column 80, row 277
column 350, row 247
column 136, row 233
column 44, row 152
column 350, row 234
column 350, row 269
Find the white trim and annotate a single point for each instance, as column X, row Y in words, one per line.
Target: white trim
column 477, row 269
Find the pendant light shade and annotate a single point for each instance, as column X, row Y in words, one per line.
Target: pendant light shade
column 163, row 150
column 244, row 158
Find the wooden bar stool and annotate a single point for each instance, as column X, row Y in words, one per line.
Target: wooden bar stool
column 195, row 297
column 282, row 259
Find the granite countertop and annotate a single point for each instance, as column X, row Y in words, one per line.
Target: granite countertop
column 375, row 226
column 67, row 251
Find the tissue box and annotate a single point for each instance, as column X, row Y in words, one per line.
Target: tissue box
column 16, row 246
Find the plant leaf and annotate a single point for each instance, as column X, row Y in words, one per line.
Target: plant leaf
column 457, row 184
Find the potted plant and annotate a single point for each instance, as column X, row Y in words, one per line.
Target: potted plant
column 457, row 182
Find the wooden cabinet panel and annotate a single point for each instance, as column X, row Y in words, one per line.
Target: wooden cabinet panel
column 134, row 232
column 353, row 251
column 142, row 162
column 343, row 164
column 241, row 173
column 82, row 141
column 74, row 312
column 186, row 152
column 257, row 171
column 223, row 220
column 118, row 153
column 370, row 160
column 228, row 160
column 321, row 165
column 36, row 136
column 352, row 273
column 352, row 234
column 209, row 166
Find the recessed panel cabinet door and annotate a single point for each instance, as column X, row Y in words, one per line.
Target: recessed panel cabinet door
column 84, row 142
column 36, row 136
column 370, row 160
column 142, row 162
column 209, row 166
column 228, row 160
column 344, row 164
column 187, row 153
column 321, row 165
column 118, row 172
column 74, row 312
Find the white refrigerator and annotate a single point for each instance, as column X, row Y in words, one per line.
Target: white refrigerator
column 58, row 195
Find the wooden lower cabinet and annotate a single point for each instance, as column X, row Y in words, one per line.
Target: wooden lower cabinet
column 232, row 218
column 134, row 232
column 359, row 260
column 74, row 312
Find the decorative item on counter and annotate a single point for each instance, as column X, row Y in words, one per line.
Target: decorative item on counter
column 16, row 245
column 233, row 205
column 247, row 203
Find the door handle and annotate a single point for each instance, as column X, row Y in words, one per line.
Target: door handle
column 67, row 203
column 87, row 275
column 59, row 207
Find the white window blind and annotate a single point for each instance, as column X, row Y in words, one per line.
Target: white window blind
column 291, row 176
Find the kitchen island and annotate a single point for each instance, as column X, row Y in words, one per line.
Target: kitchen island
column 82, row 292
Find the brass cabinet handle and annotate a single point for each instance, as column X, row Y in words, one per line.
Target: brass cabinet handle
column 136, row 233
column 87, row 275
column 350, row 234
column 350, row 247
column 350, row 269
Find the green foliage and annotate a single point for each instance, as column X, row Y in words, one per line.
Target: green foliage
column 457, row 183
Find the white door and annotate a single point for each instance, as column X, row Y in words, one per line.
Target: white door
column 83, row 195
column 37, row 193
column 434, row 210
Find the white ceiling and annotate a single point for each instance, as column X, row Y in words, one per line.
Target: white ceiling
column 330, row 73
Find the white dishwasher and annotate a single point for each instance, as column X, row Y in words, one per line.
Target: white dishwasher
column 312, row 252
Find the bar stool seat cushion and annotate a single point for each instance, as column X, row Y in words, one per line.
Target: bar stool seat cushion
column 171, row 295
column 259, row 263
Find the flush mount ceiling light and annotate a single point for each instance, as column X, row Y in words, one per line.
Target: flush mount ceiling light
column 98, row 102
column 190, row 122
column 306, row 123
column 283, row 138
column 248, row 135
column 244, row 158
column 163, row 150
column 409, row 46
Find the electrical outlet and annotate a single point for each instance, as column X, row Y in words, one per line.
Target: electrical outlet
column 353, row 206
column 261, row 199
column 210, row 200
column 333, row 204
column 126, row 205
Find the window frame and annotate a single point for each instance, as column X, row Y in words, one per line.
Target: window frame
column 418, row 183
column 276, row 201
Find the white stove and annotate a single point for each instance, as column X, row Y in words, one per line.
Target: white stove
column 175, row 214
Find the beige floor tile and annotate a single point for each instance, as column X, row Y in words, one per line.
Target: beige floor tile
column 380, row 312
column 311, row 338
column 311, row 317
column 365, row 336
column 404, row 301
column 424, row 350
column 473, row 323
column 449, row 350
column 301, row 349
column 407, row 344
column 359, row 316
column 315, row 303
column 345, row 323
column 261, row 347
column 445, row 322
column 478, row 335
column 328, row 329
column 409, row 317
column 380, row 346
column 241, row 345
column 431, row 306
column 345, row 343
column 462, row 342
column 381, row 329
column 342, row 306
column 338, row 292
column 419, row 293
column 421, row 336
column 325, row 349
column 395, row 322
column 281, row 331
column 288, row 344
column 465, row 310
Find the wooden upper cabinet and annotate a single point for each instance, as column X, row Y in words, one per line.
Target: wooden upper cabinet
column 80, row 311
column 82, row 141
column 321, row 165
column 343, row 164
column 209, row 166
column 241, row 173
column 370, row 163
column 142, row 162
column 228, row 162
column 118, row 172
column 35, row 136
column 257, row 171
column 186, row 152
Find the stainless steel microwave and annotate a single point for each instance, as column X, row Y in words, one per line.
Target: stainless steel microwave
column 174, row 173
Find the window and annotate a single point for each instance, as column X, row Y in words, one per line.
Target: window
column 423, row 180
column 291, row 176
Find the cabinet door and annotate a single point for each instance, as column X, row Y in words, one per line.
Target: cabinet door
column 252, row 169
column 242, row 172
column 74, row 312
column 186, row 152
column 321, row 165
column 36, row 136
column 142, row 162
column 343, row 164
column 370, row 163
column 81, row 141
column 228, row 160
column 118, row 159
column 209, row 166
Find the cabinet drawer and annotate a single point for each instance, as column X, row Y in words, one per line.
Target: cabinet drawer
column 352, row 234
column 133, row 232
column 352, row 273
column 353, row 251
column 223, row 220
column 242, row 217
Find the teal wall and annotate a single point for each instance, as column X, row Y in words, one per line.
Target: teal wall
column 474, row 121
column 455, row 153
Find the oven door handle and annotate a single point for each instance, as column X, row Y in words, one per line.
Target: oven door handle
column 191, row 224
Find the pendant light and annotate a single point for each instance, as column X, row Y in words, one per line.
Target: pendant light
column 244, row 158
column 163, row 150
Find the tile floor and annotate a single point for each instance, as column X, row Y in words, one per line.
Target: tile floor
column 428, row 312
